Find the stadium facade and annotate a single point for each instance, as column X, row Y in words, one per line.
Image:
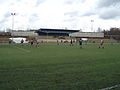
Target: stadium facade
column 58, row 32
column 87, row 35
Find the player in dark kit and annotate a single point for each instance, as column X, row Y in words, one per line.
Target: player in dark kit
column 22, row 41
column 71, row 42
column 31, row 42
column 80, row 42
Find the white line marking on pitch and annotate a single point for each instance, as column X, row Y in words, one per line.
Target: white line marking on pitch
column 108, row 88
column 22, row 49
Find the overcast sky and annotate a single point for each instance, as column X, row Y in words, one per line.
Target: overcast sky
column 71, row 14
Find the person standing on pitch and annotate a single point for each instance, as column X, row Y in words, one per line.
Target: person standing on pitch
column 10, row 41
column 101, row 44
column 80, row 42
column 22, row 41
column 71, row 42
column 57, row 42
column 37, row 42
column 32, row 41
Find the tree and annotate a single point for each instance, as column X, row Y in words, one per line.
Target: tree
column 112, row 33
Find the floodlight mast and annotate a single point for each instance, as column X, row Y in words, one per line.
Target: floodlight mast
column 12, row 14
column 92, row 25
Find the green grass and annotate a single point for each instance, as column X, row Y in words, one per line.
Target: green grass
column 59, row 67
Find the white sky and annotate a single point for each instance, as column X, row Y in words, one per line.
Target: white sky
column 60, row 14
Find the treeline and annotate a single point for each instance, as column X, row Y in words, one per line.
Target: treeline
column 113, row 33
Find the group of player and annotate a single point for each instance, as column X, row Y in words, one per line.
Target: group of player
column 36, row 42
column 81, row 42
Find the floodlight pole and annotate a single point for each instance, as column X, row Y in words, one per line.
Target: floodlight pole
column 12, row 14
column 92, row 25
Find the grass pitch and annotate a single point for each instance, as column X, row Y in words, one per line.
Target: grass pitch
column 59, row 67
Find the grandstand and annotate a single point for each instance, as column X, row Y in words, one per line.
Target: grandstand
column 55, row 32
